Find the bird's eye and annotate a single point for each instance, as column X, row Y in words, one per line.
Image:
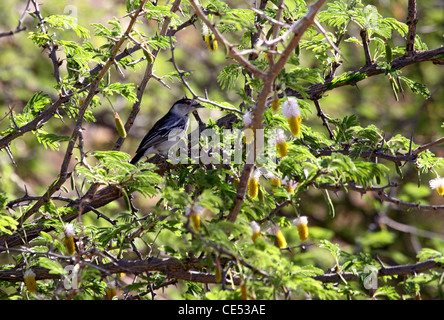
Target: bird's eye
column 188, row 103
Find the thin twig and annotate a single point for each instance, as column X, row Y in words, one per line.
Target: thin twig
column 400, row 203
column 64, row 172
column 181, row 75
column 324, row 118
column 411, row 35
column 19, row 27
column 365, row 43
column 146, row 77
column 330, row 42
column 231, row 50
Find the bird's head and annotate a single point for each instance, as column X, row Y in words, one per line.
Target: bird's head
column 185, row 106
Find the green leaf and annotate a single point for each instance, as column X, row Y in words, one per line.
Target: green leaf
column 346, row 78
column 7, row 223
column 53, row 266
column 65, row 22
column 417, row 87
column 229, row 75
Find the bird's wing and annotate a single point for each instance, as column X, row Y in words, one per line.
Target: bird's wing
column 160, row 132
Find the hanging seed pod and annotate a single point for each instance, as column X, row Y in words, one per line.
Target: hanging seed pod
column 111, row 291
column 302, row 226
column 255, row 231
column 290, row 110
column 253, row 186
column 280, row 240
column 211, row 42
column 119, row 125
column 69, row 239
column 218, row 272
column 281, row 143
column 275, row 104
column 244, row 290
column 29, row 279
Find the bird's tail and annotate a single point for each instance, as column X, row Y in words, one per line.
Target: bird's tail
column 136, row 158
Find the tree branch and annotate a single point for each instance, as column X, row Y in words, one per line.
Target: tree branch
column 174, row 268
column 411, row 23
column 316, row 91
column 410, row 269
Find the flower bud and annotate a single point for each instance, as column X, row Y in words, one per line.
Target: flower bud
column 244, row 290
column 253, row 184
column 290, row 110
column 111, row 290
column 119, row 125
column 195, row 215
column 281, row 143
column 29, row 278
column 280, row 240
column 69, row 239
column 218, row 272
column 438, row 185
column 255, row 230
column 209, row 38
column 275, row 104
column 301, row 224
column 290, row 185
column 248, row 132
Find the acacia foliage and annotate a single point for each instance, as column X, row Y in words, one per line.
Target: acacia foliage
column 341, row 154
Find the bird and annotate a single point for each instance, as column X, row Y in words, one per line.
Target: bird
column 165, row 132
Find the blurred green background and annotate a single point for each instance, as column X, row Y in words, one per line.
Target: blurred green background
column 25, row 69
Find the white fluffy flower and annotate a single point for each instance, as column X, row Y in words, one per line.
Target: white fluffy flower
column 290, row 108
column 247, row 119
column 438, row 185
column 69, row 230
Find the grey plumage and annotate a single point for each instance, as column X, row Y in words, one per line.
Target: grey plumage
column 165, row 132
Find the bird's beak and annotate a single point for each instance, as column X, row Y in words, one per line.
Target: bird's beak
column 197, row 105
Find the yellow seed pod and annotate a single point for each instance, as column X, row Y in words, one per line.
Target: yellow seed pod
column 275, row 182
column 275, row 104
column 211, row 41
column 280, row 241
column 438, row 185
column 302, row 226
column 244, row 290
column 70, row 245
column 69, row 239
column 248, row 135
column 282, row 149
column 290, row 189
column 29, row 279
column 111, row 291
column 440, row 190
column 255, row 230
column 253, row 186
column 195, row 220
column 218, row 272
column 119, row 125
column 295, row 125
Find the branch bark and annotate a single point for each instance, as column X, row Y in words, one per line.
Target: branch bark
column 174, row 268
column 410, row 269
column 411, row 23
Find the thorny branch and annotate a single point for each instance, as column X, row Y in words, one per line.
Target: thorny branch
column 411, row 23
column 105, row 195
column 64, row 171
column 19, row 27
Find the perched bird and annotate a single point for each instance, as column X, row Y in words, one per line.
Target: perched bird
column 165, row 132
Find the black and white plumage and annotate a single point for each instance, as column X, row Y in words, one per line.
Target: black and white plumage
column 166, row 132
